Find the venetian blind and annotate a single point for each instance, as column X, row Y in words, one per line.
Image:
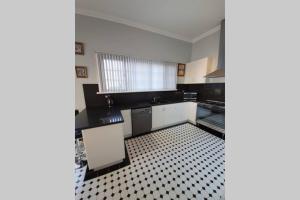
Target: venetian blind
column 128, row 74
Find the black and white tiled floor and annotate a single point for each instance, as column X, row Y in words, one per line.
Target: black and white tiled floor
column 182, row 162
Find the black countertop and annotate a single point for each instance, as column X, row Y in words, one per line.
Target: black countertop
column 102, row 116
column 95, row 117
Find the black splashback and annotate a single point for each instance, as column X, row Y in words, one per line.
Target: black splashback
column 211, row 91
column 92, row 99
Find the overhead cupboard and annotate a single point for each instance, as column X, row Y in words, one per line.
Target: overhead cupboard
column 196, row 71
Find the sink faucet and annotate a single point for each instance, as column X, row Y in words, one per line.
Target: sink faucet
column 109, row 100
column 155, row 99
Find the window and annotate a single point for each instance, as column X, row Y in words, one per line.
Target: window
column 128, row 74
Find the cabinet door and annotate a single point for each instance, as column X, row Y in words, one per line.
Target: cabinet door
column 192, row 110
column 169, row 114
column 158, row 117
column 180, row 112
column 187, row 110
column 175, row 113
column 104, row 145
column 127, row 126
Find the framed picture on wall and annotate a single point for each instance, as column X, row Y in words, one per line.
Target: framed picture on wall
column 81, row 71
column 181, row 69
column 79, row 48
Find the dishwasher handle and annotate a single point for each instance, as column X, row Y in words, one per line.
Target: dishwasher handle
column 141, row 110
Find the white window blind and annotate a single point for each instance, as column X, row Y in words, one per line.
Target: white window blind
column 127, row 74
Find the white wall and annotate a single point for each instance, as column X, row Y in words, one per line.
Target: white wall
column 105, row 36
column 208, row 47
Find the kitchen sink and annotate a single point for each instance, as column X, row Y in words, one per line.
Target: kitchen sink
column 161, row 102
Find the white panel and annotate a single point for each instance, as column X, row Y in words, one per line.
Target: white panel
column 104, row 145
column 181, row 112
column 169, row 114
column 158, row 117
column 195, row 71
column 192, row 110
column 176, row 113
column 127, row 126
column 186, row 110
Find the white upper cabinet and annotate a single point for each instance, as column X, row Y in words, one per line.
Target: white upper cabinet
column 195, row 71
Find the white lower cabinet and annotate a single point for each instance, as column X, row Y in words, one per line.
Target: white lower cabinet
column 175, row 113
column 127, row 126
column 164, row 115
column 158, row 117
column 171, row 114
column 191, row 111
column 104, row 145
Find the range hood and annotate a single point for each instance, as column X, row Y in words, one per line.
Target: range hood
column 220, row 71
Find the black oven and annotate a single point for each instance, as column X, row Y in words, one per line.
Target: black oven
column 211, row 114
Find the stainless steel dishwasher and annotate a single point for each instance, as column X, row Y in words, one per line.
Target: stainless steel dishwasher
column 141, row 119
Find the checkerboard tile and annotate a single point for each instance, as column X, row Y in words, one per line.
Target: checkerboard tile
column 182, row 162
column 79, row 177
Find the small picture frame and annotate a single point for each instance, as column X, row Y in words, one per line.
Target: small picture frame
column 79, row 48
column 181, row 69
column 81, row 71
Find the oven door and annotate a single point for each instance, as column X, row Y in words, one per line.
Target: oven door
column 212, row 117
column 203, row 112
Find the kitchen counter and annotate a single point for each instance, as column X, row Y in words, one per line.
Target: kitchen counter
column 102, row 116
column 147, row 104
column 95, row 117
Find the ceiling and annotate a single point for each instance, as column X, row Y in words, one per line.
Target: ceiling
column 188, row 20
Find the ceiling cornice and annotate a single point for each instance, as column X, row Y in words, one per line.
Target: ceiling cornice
column 207, row 33
column 145, row 27
column 133, row 24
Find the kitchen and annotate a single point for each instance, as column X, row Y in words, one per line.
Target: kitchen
column 147, row 98
column 147, row 82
